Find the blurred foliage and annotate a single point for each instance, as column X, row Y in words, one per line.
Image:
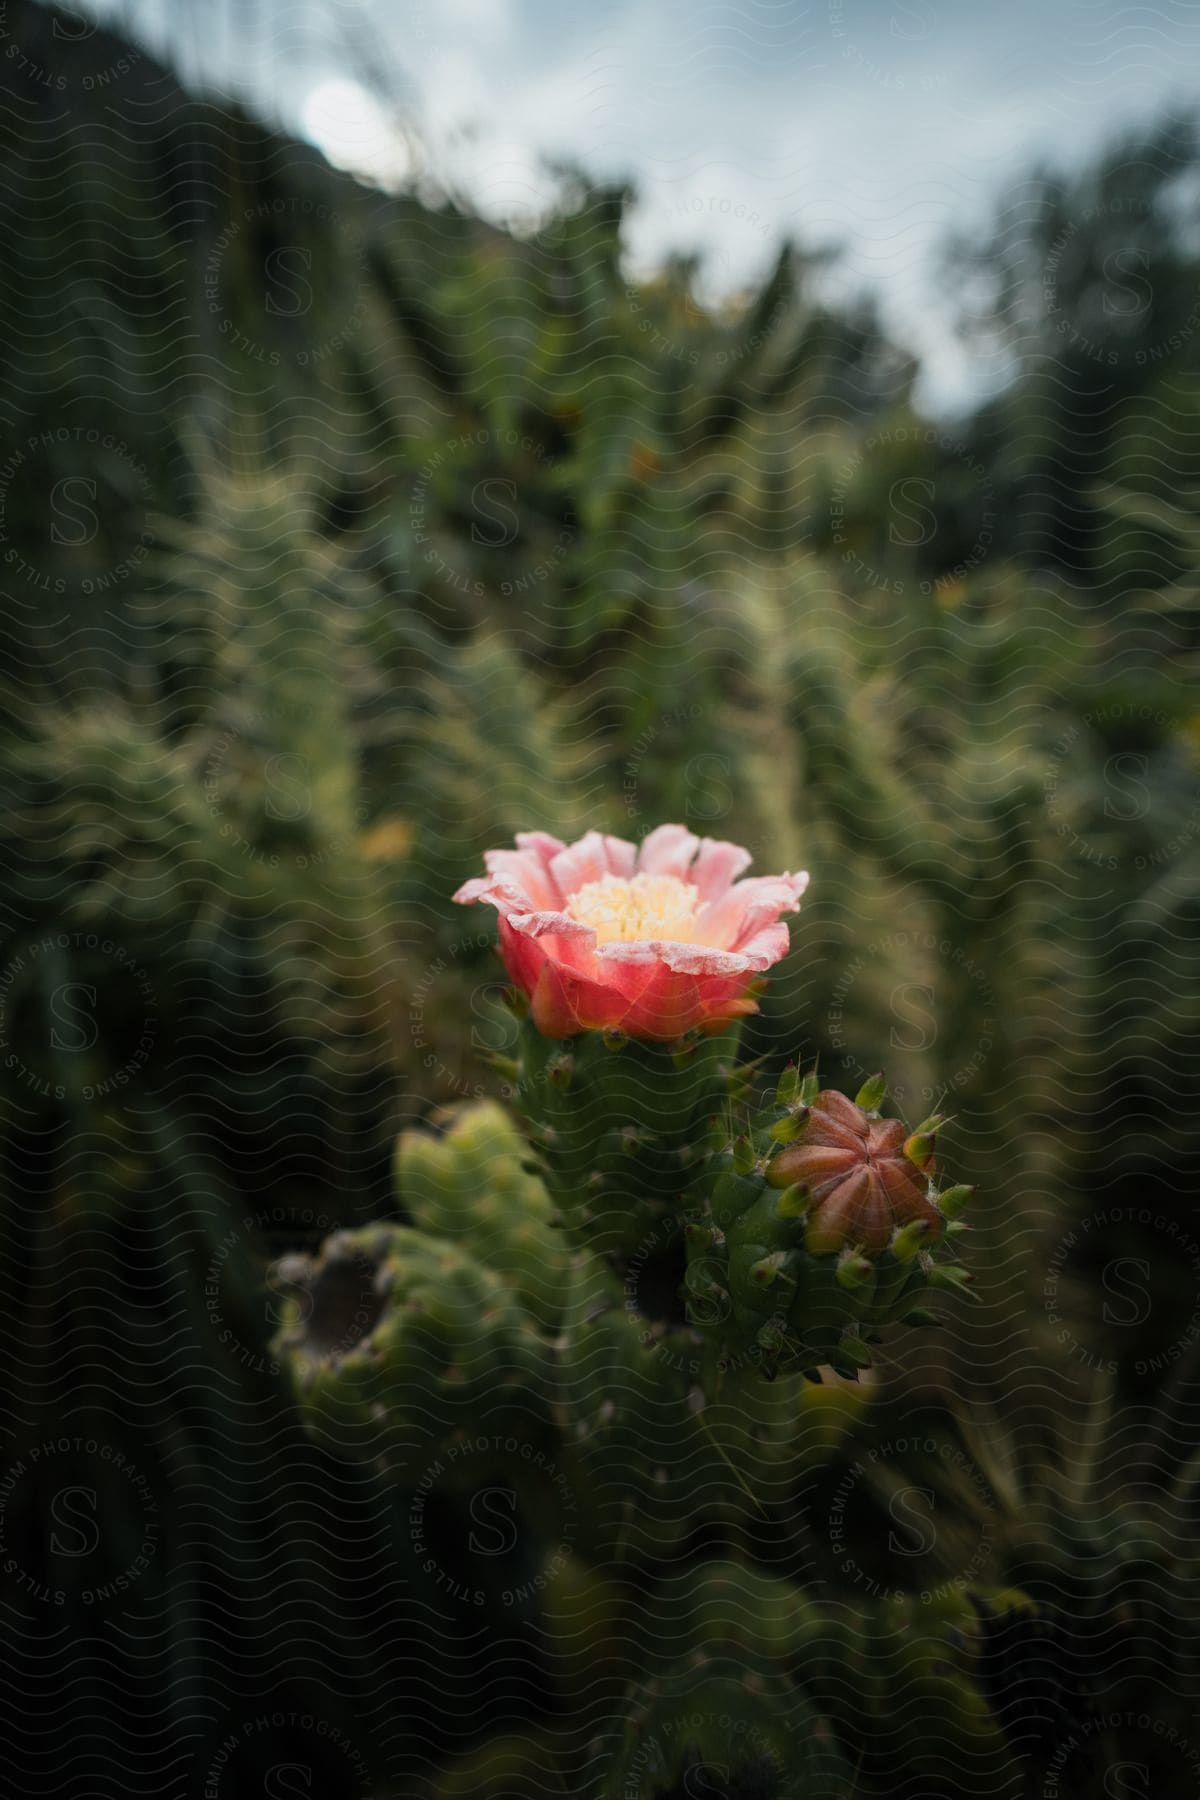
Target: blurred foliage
column 307, row 608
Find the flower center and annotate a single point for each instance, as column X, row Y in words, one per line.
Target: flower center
column 646, row 906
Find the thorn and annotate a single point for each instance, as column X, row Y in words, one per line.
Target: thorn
column 950, row 1275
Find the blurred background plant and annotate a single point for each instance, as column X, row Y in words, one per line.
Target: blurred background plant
column 307, row 608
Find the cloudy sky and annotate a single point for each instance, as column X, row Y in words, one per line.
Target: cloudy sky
column 872, row 125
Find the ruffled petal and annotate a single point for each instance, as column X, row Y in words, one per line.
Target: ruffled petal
column 717, row 865
column 518, row 878
column 686, row 959
column 668, row 850
column 749, row 905
column 591, row 859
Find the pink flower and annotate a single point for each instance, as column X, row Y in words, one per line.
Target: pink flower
column 653, row 941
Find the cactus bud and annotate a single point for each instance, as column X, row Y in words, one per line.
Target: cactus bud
column 794, row 1201
column 744, row 1157
column 954, row 1199
column 853, row 1270
column 787, row 1091
column 853, row 1165
column 871, row 1094
column 856, row 1349
column 790, row 1127
column 827, row 1230
column 909, row 1239
column 919, row 1149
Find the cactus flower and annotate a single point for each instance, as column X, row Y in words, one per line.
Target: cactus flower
column 862, row 1177
column 652, row 941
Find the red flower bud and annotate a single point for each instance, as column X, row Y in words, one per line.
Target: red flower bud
column 861, row 1185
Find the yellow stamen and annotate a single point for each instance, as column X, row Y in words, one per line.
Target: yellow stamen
column 647, row 906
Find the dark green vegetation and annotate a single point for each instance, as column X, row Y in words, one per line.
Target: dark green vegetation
column 343, row 536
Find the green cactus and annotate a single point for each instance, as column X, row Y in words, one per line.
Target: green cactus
column 664, row 1432
column 501, row 1768
column 735, row 1605
column 473, row 1186
column 910, row 1661
column 398, row 1344
column 724, row 1724
column 818, row 1230
column 590, row 1647
column 621, row 1126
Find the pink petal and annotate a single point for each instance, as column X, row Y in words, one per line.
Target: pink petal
column 593, row 857
column 478, row 888
column 718, row 864
column 541, row 843
column 526, row 873
column 748, row 906
column 538, row 924
column 768, row 946
column 685, row 959
column 668, row 851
